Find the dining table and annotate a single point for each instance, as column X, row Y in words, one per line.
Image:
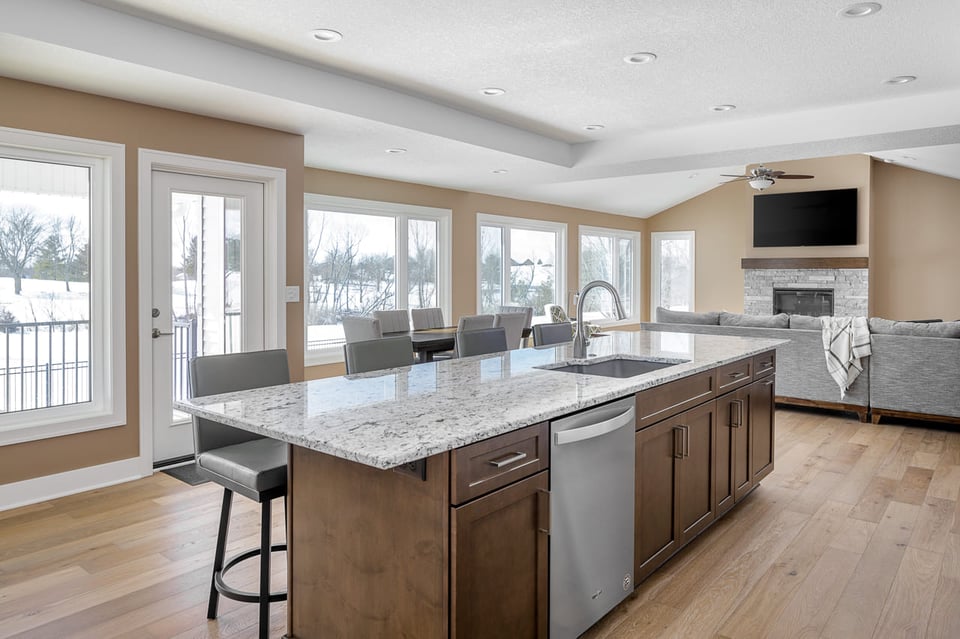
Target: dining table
column 428, row 341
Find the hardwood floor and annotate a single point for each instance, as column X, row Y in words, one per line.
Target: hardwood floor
column 855, row 534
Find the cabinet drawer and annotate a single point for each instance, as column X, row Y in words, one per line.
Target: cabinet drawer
column 492, row 463
column 734, row 375
column 674, row 397
column 764, row 363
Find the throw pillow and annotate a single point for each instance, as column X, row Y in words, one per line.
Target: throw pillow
column 781, row 320
column 666, row 316
column 558, row 315
column 805, row 322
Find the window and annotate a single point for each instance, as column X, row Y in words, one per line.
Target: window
column 611, row 256
column 673, row 270
column 363, row 256
column 61, row 286
column 521, row 263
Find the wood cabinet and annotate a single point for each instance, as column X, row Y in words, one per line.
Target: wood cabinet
column 674, row 485
column 762, row 428
column 498, row 569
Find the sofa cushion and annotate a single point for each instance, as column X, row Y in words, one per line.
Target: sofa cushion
column 781, row 320
column 805, row 322
column 914, row 329
column 685, row 317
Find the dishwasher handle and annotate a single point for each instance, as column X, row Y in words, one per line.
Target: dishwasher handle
column 595, row 430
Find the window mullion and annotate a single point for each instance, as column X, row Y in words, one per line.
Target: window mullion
column 505, row 292
column 400, row 264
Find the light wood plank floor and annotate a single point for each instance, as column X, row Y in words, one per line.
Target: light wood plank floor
column 855, row 534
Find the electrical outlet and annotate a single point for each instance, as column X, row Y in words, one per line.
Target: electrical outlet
column 293, row 293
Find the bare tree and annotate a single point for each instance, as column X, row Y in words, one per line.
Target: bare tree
column 20, row 239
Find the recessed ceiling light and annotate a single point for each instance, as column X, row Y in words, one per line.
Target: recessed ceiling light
column 493, row 91
column 888, row 160
column 593, row 127
column 723, row 107
column 640, row 58
column 860, row 10
column 909, row 157
column 901, row 79
column 396, row 150
column 326, row 35
column 692, row 175
column 500, row 171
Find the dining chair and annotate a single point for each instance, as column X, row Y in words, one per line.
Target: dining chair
column 481, row 341
column 526, row 310
column 474, row 322
column 397, row 321
column 424, row 318
column 513, row 324
column 242, row 462
column 358, row 328
column 544, row 334
column 377, row 354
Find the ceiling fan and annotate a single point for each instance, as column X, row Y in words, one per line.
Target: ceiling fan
column 761, row 177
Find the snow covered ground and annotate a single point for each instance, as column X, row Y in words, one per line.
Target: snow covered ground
column 45, row 300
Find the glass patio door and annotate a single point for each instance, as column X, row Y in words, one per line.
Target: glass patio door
column 207, row 236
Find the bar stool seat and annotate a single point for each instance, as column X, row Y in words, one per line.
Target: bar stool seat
column 254, row 467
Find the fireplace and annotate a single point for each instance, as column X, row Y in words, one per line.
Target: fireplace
column 803, row 301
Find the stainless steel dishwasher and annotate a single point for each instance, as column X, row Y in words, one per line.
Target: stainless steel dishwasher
column 591, row 515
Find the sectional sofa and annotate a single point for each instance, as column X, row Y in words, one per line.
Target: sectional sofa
column 913, row 372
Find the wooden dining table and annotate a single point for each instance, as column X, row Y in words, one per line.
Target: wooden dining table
column 428, row 341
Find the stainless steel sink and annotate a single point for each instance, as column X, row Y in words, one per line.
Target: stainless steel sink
column 619, row 367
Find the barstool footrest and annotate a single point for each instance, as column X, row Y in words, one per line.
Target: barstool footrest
column 243, row 595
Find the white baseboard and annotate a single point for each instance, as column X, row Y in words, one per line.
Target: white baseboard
column 32, row 491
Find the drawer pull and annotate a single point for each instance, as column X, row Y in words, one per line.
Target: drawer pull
column 770, row 383
column 509, row 459
column 736, row 375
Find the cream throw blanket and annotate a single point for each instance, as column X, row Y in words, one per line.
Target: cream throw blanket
column 846, row 340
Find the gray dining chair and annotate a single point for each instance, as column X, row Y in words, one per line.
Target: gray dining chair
column 482, row 341
column 377, row 354
column 513, row 324
column 545, row 334
column 397, row 321
column 474, row 322
column 242, row 462
column 424, row 318
column 358, row 328
column 526, row 310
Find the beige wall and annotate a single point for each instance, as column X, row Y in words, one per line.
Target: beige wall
column 915, row 247
column 465, row 207
column 40, row 108
column 723, row 221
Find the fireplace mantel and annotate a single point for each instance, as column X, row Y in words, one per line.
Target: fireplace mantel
column 803, row 262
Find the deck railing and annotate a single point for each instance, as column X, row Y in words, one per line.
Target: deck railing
column 44, row 364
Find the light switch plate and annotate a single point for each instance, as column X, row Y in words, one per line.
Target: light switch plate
column 293, row 293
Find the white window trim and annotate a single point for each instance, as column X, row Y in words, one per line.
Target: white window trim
column 505, row 222
column 108, row 392
column 401, row 213
column 655, row 266
column 634, row 237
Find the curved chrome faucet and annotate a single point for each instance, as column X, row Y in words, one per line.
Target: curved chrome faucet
column 580, row 341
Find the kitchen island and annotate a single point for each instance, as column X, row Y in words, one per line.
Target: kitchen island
column 407, row 517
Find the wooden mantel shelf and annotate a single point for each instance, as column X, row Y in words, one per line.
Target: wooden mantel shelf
column 803, row 262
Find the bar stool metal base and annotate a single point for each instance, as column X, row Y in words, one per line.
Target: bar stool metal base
column 245, row 595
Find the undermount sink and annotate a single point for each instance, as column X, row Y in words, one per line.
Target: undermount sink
column 619, row 367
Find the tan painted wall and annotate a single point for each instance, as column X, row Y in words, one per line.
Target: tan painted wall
column 465, row 206
column 41, row 108
column 914, row 256
column 723, row 221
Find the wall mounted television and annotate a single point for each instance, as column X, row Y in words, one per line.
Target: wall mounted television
column 810, row 218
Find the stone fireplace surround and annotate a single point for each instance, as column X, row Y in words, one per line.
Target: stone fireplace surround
column 848, row 277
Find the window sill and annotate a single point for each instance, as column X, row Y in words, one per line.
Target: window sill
column 320, row 357
column 67, row 420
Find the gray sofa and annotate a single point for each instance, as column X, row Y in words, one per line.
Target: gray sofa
column 802, row 377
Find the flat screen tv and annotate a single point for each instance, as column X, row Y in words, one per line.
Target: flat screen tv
column 811, row 218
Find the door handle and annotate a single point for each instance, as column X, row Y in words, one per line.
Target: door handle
column 157, row 333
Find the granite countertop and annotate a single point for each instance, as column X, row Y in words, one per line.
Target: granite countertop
column 388, row 418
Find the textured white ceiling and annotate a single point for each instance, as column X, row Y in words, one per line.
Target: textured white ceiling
column 806, row 82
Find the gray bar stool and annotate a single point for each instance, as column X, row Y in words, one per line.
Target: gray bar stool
column 481, row 342
column 242, row 462
column 544, row 334
column 377, row 354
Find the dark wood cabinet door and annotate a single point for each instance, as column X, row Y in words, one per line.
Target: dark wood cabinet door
column 655, row 523
column 724, row 459
column 499, row 578
column 695, row 495
column 762, row 428
column 741, row 402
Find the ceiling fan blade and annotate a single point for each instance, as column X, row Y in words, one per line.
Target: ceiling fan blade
column 739, row 177
column 794, row 177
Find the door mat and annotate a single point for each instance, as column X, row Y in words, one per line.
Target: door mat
column 187, row 474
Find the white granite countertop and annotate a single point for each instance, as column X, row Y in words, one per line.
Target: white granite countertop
column 388, row 418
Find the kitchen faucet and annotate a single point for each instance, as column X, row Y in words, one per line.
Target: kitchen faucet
column 580, row 341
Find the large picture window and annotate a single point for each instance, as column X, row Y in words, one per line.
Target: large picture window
column 61, row 285
column 521, row 263
column 363, row 256
column 673, row 270
column 612, row 256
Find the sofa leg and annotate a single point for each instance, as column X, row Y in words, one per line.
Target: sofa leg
column 875, row 418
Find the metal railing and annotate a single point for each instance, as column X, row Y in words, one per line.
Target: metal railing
column 44, row 364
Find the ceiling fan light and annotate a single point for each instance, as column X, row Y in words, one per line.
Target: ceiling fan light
column 761, row 182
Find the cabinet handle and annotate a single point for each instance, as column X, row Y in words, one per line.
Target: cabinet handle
column 678, row 445
column 736, row 418
column 770, row 383
column 509, row 459
column 686, row 441
column 736, row 375
column 543, row 510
